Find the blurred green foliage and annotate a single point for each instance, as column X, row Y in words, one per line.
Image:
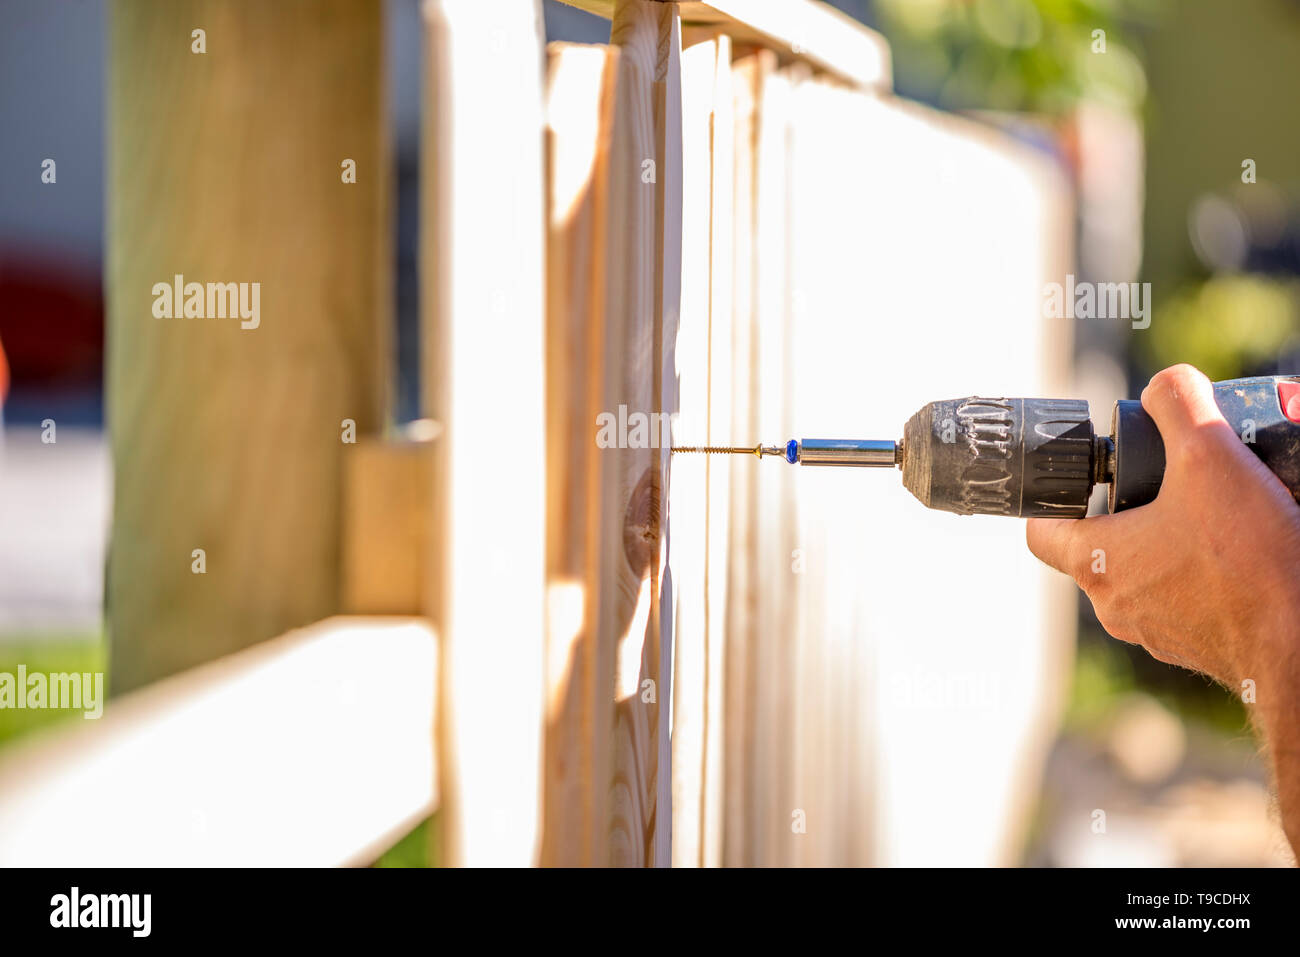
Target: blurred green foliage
column 1040, row 56
column 47, row 654
column 1224, row 325
column 1106, row 671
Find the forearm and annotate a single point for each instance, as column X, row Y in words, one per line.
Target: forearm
column 1277, row 716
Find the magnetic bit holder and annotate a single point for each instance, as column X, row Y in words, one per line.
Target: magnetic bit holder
column 863, row 453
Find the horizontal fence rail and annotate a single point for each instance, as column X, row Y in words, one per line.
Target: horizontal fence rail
column 312, row 749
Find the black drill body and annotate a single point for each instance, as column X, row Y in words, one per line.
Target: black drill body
column 1042, row 457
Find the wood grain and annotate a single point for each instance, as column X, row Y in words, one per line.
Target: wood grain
column 225, row 167
column 581, row 92
column 641, row 316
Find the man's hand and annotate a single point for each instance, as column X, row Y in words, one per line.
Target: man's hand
column 1208, row 575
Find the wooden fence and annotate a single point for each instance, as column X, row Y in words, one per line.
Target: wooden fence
column 722, row 216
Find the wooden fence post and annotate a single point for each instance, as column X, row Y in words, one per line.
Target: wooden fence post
column 235, row 130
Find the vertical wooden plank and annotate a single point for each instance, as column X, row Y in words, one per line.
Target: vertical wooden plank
column 774, row 534
column 821, row 751
column 809, row 232
column 831, row 671
column 668, row 139
column 484, row 230
column 718, row 474
column 628, row 523
column 742, row 585
column 688, row 504
column 830, row 675
column 580, row 660
column 641, row 308
column 630, row 527
column 226, row 167
column 700, row 487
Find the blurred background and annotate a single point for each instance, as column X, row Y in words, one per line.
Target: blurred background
column 1174, row 123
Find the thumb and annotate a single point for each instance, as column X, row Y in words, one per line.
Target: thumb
column 1180, row 400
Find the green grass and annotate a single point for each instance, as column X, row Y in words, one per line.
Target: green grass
column 417, row 849
column 62, row 652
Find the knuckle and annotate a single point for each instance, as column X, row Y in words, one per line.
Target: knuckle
column 1112, row 623
column 1181, row 374
column 1175, row 383
column 1117, row 618
column 1165, row 380
column 1185, row 372
column 1115, row 606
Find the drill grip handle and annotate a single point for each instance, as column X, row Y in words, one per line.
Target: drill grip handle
column 1254, row 410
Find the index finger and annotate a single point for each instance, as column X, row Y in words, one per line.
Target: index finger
column 1053, row 542
column 1070, row 545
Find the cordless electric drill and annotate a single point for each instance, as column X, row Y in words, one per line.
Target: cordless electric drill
column 1042, row 457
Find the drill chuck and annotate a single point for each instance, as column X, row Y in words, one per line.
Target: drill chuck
column 999, row 456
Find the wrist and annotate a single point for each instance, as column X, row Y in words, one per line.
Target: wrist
column 1271, row 676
